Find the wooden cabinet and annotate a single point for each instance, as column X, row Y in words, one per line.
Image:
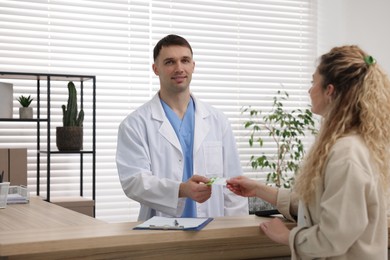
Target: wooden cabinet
column 45, row 144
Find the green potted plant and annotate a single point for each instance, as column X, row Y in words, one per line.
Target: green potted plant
column 70, row 135
column 286, row 129
column 25, row 112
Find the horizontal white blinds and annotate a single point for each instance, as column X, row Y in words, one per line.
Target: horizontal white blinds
column 244, row 52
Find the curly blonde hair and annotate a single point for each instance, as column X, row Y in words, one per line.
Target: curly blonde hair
column 361, row 104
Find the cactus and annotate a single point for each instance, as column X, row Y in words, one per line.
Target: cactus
column 69, row 112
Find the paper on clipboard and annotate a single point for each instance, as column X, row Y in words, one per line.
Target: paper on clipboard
column 165, row 223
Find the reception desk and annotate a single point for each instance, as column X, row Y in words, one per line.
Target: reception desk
column 42, row 230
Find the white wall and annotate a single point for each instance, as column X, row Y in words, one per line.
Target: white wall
column 361, row 22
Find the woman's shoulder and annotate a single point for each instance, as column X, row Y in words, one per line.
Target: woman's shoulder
column 352, row 141
column 350, row 148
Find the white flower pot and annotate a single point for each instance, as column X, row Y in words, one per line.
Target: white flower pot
column 25, row 112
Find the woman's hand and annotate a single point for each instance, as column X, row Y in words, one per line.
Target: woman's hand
column 246, row 187
column 276, row 230
column 243, row 186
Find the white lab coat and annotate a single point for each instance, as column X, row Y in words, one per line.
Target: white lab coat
column 150, row 161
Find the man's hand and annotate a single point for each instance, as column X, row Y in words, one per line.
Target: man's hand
column 196, row 188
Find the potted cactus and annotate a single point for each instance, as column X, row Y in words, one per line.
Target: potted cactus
column 25, row 111
column 70, row 135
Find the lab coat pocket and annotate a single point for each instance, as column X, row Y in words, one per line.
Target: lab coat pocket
column 213, row 159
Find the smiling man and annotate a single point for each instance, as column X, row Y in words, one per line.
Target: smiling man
column 170, row 147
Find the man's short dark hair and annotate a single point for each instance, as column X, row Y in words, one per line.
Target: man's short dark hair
column 170, row 40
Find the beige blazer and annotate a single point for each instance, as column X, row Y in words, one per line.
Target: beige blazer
column 347, row 218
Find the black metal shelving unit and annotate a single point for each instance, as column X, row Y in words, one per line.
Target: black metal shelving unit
column 47, row 151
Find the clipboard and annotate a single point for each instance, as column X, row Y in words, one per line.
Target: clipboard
column 165, row 223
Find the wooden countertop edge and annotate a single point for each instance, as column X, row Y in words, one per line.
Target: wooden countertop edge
column 122, row 235
column 225, row 236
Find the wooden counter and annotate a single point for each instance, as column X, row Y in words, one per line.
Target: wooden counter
column 41, row 230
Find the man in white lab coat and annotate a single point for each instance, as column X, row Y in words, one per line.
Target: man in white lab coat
column 170, row 147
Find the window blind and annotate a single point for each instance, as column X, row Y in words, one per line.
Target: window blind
column 244, row 52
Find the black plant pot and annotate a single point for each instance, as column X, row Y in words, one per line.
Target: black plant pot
column 257, row 204
column 69, row 138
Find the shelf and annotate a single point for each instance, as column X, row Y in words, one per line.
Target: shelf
column 44, row 116
column 42, row 76
column 79, row 204
column 23, row 120
column 69, row 152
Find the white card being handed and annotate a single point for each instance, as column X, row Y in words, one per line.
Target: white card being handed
column 217, row 181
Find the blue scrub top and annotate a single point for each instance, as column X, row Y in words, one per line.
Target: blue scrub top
column 184, row 129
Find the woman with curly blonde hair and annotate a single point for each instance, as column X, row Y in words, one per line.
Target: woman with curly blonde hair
column 339, row 199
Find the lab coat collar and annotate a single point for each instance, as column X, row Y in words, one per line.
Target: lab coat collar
column 201, row 126
column 166, row 129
